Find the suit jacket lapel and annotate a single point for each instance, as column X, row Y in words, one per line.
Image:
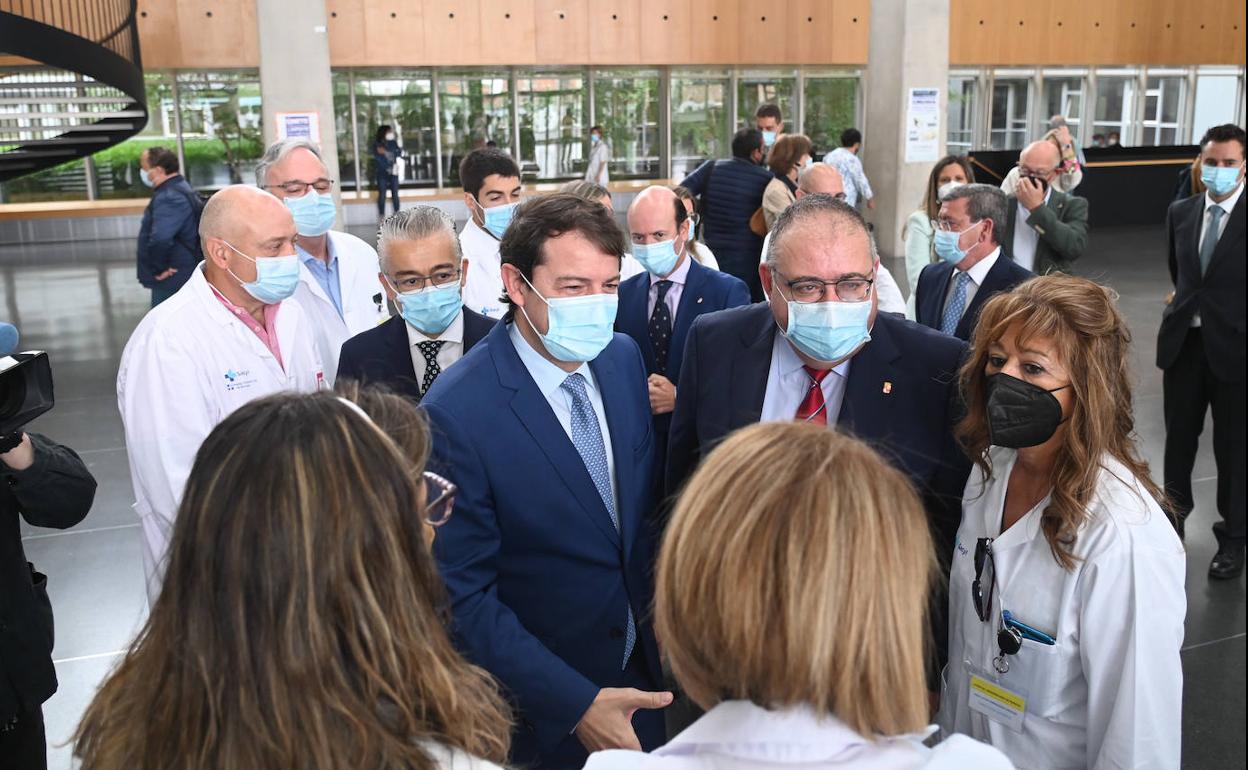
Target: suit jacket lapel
column 996, row 280
column 615, row 400
column 398, row 355
column 929, row 314
column 686, row 311
column 636, row 310
column 1230, row 236
column 751, row 368
column 869, row 390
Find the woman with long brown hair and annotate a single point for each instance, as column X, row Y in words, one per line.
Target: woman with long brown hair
column 301, row 620
column 918, row 234
column 1066, row 598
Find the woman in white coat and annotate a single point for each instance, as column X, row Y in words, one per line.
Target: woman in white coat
column 1066, row 599
column 792, row 587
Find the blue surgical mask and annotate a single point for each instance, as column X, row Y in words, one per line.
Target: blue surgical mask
column 1221, row 180
column 431, row 309
column 578, row 328
column 498, row 218
column 313, row 212
column 829, row 331
column 145, row 178
column 657, row 258
column 276, row 277
column 769, row 138
column 693, row 228
column 594, row 139
column 948, row 246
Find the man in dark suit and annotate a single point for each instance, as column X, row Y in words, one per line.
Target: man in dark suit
column 729, row 192
column 657, row 307
column 950, row 293
column 1046, row 230
column 168, row 248
column 422, row 272
column 545, row 428
column 1200, row 346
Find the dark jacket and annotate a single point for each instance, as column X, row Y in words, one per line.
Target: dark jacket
column 383, row 355
column 57, row 491
column 735, row 192
column 1062, row 225
column 933, row 286
column 169, row 235
column 1218, row 294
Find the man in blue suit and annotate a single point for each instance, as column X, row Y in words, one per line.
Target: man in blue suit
column 950, row 293
column 422, row 272
column 657, row 307
column 545, row 428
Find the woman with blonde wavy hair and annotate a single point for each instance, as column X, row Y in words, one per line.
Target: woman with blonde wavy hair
column 791, row 599
column 1066, row 598
column 301, row 620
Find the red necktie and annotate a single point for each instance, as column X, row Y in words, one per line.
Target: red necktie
column 813, row 409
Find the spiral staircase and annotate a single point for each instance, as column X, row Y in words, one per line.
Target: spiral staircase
column 71, row 83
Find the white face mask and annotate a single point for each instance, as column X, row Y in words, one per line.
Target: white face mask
column 947, row 188
column 390, row 137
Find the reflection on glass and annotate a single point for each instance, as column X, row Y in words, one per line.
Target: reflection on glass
column 1162, row 103
column 476, row 112
column 553, row 130
column 626, row 105
column 117, row 168
column 1064, row 96
column 220, row 126
column 1008, row 128
column 775, row 87
column 699, row 124
column 961, row 134
column 1115, row 101
column 831, row 107
column 402, row 99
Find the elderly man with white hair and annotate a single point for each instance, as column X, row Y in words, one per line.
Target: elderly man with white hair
column 336, row 285
column 423, row 269
column 229, row 336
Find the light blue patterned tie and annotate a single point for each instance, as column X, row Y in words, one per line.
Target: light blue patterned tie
column 1210, row 243
column 956, row 305
column 587, row 438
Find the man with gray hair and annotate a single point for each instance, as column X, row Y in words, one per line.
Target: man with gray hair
column 336, row 269
column 950, row 293
column 422, row 273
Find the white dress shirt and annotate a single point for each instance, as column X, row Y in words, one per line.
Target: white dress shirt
column 1227, row 206
column 452, row 346
column 738, row 735
column 549, row 379
column 483, row 287
column 788, row 383
column 977, row 274
column 1025, row 236
column 674, row 292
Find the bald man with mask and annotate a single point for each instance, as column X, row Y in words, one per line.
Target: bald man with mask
column 227, row 337
column 1046, row 229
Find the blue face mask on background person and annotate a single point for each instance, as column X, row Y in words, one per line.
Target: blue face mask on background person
column 657, row 258
column 947, row 244
column 145, row 178
column 497, row 218
column 769, row 138
column 594, row 139
column 578, row 328
column 313, row 212
column 430, row 309
column 276, row 277
column 1221, row 180
column 828, row 331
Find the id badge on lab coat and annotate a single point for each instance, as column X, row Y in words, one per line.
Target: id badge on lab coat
column 992, row 697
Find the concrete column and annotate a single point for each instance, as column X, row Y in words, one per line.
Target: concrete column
column 909, row 48
column 294, row 71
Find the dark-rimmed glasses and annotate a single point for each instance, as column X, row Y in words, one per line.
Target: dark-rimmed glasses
column 809, row 290
column 299, row 187
column 983, row 558
column 440, row 497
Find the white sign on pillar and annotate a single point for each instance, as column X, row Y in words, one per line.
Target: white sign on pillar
column 923, row 125
column 299, row 125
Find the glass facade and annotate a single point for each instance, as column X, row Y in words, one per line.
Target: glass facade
column 1163, row 98
column 962, row 105
column 1063, row 95
column 831, row 106
column 553, row 108
column 626, row 105
column 1115, row 107
column 1011, row 113
column 474, row 107
column 756, row 87
column 701, row 127
column 402, row 100
column 1219, row 99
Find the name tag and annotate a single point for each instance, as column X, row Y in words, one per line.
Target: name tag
column 998, row 703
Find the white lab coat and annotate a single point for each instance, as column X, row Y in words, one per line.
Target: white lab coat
column 187, row 366
column 1109, row 694
column 484, row 286
column 358, row 284
column 889, row 298
column 738, row 735
column 599, row 160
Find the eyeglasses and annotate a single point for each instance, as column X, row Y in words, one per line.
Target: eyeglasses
column 299, row 187
column 809, row 290
column 440, row 497
column 413, row 282
column 983, row 558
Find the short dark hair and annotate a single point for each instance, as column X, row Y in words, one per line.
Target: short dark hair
column 592, row 129
column 746, row 141
column 482, row 163
column 541, row 218
column 850, row 137
column 164, row 159
column 768, row 111
column 1227, row 132
column 983, row 201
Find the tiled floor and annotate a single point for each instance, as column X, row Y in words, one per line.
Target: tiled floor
column 80, row 301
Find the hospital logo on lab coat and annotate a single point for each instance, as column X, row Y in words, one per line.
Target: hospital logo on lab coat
column 238, row 379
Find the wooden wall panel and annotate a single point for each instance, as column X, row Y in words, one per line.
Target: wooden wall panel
column 666, row 31
column 614, row 32
column 562, row 31
column 217, row 33
column 715, row 26
column 157, row 20
column 345, row 22
column 508, row 31
column 394, row 33
column 812, row 24
column 851, row 32
column 764, row 33
column 453, row 32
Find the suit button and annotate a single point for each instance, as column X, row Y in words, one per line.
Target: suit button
column 617, row 632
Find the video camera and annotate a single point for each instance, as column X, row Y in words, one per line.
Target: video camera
column 25, row 389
